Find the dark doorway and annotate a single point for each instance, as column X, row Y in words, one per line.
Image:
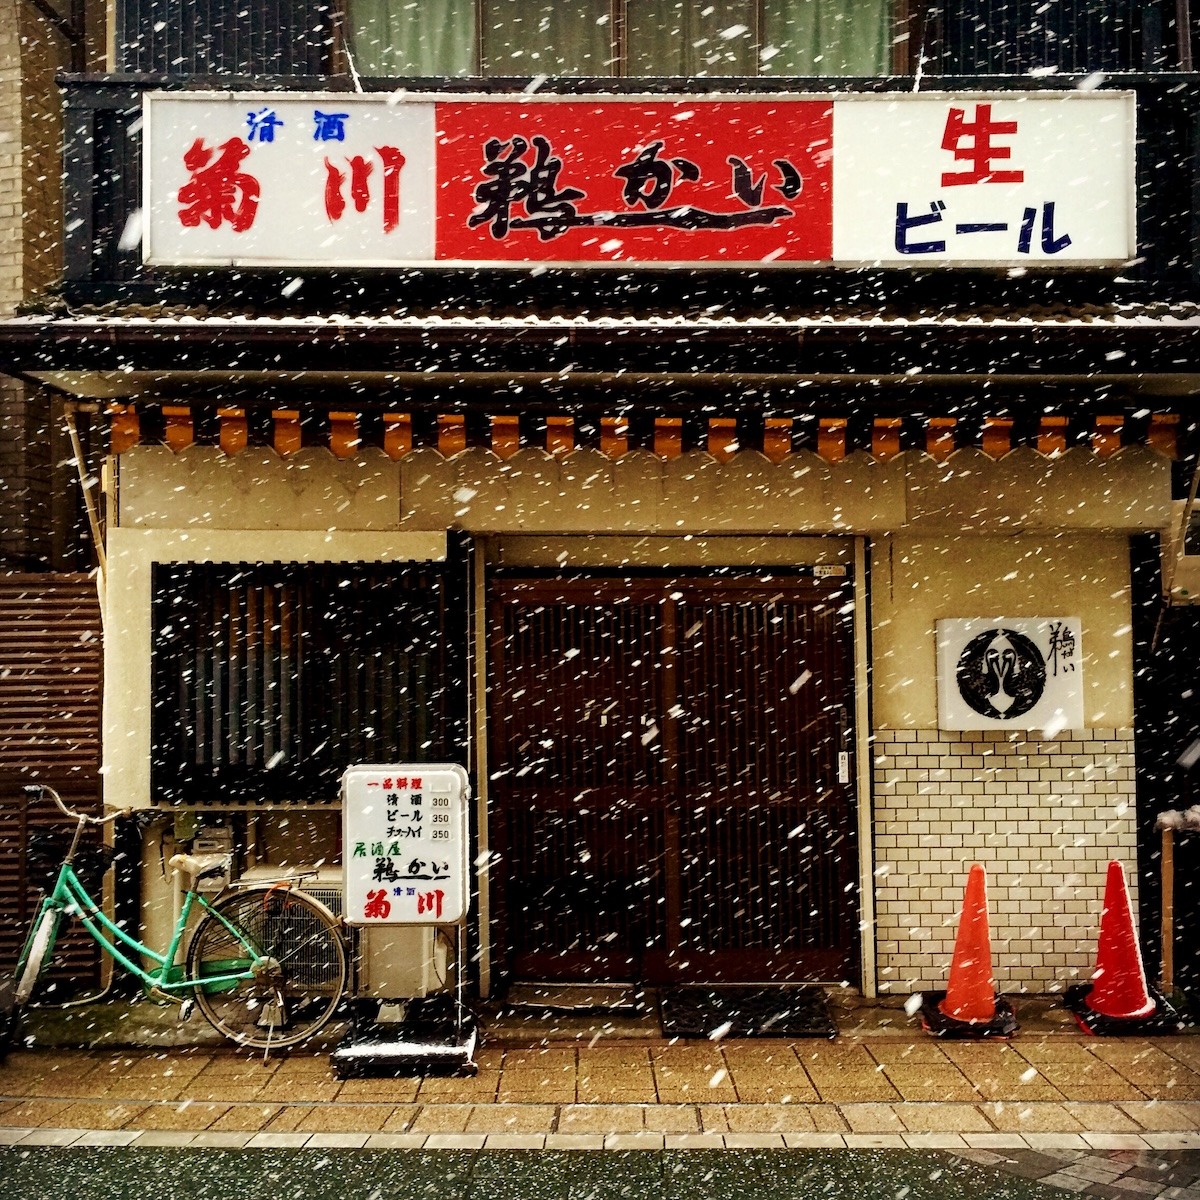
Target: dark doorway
column 670, row 779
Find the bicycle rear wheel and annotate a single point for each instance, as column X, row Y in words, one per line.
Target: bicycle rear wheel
column 299, row 975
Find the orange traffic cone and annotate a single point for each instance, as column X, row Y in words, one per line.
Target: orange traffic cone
column 971, row 990
column 970, row 1007
column 1119, row 980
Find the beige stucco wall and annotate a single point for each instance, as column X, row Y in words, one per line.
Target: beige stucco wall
column 966, row 537
column 916, row 581
column 586, row 492
column 1043, row 813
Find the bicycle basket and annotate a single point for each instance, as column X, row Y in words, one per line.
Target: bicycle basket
column 48, row 848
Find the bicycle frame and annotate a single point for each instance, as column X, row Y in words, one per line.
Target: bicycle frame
column 71, row 898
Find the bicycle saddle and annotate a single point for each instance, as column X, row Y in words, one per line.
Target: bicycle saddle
column 199, row 866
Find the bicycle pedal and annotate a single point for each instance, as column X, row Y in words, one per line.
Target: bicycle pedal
column 186, row 1008
column 160, row 997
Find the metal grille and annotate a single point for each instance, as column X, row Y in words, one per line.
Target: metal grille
column 271, row 679
column 665, row 771
column 50, row 669
column 222, row 37
column 299, row 938
column 331, row 897
column 1011, row 37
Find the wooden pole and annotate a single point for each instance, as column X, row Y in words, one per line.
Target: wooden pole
column 1167, row 867
column 85, row 486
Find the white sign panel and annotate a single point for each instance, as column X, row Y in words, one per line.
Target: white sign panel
column 1018, row 673
column 254, row 180
column 750, row 180
column 405, row 844
column 1002, row 179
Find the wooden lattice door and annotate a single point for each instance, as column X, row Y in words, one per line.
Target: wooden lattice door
column 670, row 767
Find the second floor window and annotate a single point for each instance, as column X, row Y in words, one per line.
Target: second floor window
column 637, row 38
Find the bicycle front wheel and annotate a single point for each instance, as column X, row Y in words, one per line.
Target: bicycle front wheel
column 16, row 990
column 291, row 952
column 40, row 941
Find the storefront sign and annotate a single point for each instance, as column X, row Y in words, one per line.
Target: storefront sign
column 1023, row 673
column 404, row 848
column 416, row 180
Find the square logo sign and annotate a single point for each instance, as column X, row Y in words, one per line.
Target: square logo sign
column 1010, row 673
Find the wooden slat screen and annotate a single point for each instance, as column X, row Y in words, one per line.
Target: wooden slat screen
column 577, row 752
column 270, row 679
column 1012, row 37
column 50, row 675
column 587, row 671
column 225, row 37
column 765, row 687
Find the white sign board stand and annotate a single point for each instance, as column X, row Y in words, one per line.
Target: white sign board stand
column 405, row 844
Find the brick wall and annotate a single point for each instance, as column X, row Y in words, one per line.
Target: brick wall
column 11, row 246
column 30, row 261
column 43, row 53
column 1044, row 816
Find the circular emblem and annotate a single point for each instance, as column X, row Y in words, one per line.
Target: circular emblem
column 1001, row 674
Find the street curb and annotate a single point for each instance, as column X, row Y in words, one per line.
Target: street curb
column 83, row 1139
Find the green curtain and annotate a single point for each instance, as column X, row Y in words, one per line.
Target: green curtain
column 686, row 38
column 826, row 37
column 412, row 37
column 547, row 37
column 663, row 37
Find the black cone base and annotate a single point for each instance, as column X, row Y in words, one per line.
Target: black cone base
column 933, row 1020
column 1165, row 1019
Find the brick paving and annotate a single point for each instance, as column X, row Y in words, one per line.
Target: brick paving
column 1059, row 1091
column 1110, row 1118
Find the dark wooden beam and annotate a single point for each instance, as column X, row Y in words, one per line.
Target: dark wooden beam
column 71, row 27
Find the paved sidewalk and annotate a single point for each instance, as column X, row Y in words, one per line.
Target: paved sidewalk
column 1052, row 1113
column 1060, row 1091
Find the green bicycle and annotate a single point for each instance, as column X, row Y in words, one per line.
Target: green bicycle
column 266, row 964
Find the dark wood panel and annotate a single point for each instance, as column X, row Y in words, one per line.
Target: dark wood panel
column 50, row 691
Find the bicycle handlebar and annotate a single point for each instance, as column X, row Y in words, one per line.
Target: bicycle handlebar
column 35, row 790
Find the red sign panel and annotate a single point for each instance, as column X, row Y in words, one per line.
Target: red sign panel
column 596, row 181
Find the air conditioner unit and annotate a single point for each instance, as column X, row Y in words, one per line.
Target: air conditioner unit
column 1181, row 556
column 325, row 886
column 393, row 962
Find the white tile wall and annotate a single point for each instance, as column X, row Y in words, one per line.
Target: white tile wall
column 1044, row 816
